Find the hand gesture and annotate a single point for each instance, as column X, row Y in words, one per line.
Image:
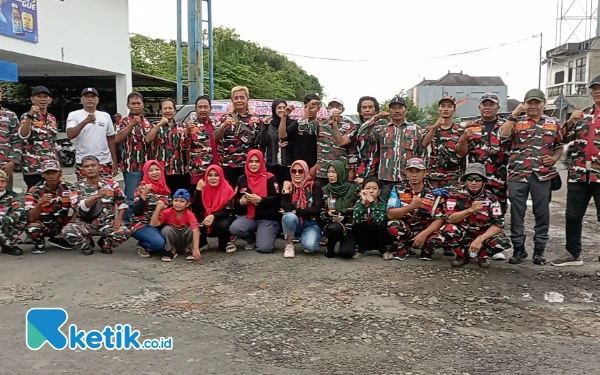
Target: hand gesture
column 419, row 240
column 287, row 185
column 163, row 121
column 160, row 205
column 467, row 135
column 416, row 202
column 147, row 188
column 229, row 121
column 208, row 220
column 136, row 120
column 191, row 125
column 520, row 108
column 440, row 121
column 103, row 192
column 363, row 197
column 45, row 199
column 254, row 199
column 548, row 161
column 576, row 115
column 476, row 207
column 359, row 180
column 312, row 104
column 289, row 109
column 267, row 120
column 34, row 110
column 381, row 115
column 335, row 114
column 91, row 118
column 200, row 185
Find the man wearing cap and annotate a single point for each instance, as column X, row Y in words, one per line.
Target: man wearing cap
column 49, row 205
column 38, row 131
column 334, row 138
column 12, row 221
column 480, row 143
column 535, row 148
column 398, row 141
column 475, row 220
column 98, row 198
column 583, row 181
column 93, row 134
column 368, row 152
column 10, row 142
column 444, row 163
column 415, row 214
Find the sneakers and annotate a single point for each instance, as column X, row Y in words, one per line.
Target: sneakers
column 538, row 257
column 250, row 246
column 459, row 262
column 568, row 261
column 289, row 251
column 296, row 240
column 401, row 255
column 38, row 249
column 61, row 243
column 425, row 255
column 12, row 250
column 499, row 256
column 484, row 262
column 230, row 248
column 519, row 255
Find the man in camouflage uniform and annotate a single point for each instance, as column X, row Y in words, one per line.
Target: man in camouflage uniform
column 368, row 152
column 167, row 146
column 10, row 142
column 475, row 220
column 238, row 132
column 49, row 206
column 535, row 148
column 444, row 164
column 12, row 221
column 416, row 214
column 98, row 200
column 131, row 132
column 38, row 131
column 480, row 143
column 584, row 173
column 398, row 141
column 200, row 143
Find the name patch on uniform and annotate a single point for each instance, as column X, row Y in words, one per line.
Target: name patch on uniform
column 411, row 127
column 522, row 126
column 451, row 204
column 427, row 202
column 476, row 129
column 552, row 127
column 406, row 197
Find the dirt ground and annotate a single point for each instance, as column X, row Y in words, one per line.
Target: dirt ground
column 249, row 313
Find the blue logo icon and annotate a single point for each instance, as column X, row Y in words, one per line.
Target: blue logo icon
column 43, row 325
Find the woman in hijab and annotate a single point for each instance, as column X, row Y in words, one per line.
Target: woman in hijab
column 212, row 206
column 257, row 203
column 279, row 154
column 339, row 197
column 152, row 189
column 302, row 199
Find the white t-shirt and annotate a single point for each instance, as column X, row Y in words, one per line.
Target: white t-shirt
column 92, row 139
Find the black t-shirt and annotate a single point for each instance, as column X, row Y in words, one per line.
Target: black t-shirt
column 489, row 126
column 305, row 144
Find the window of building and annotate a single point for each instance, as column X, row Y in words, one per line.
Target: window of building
column 570, row 71
column 580, row 70
column 559, row 77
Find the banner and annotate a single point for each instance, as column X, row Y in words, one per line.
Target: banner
column 8, row 72
column 262, row 108
column 18, row 19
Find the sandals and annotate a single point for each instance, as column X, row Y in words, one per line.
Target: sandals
column 230, row 248
column 359, row 254
column 189, row 255
column 388, row 256
column 142, row 252
column 169, row 256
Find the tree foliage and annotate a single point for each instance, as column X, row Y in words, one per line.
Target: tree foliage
column 420, row 116
column 267, row 73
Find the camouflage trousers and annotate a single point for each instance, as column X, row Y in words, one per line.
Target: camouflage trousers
column 79, row 233
column 105, row 171
column 459, row 239
column 37, row 231
column 10, row 231
column 403, row 236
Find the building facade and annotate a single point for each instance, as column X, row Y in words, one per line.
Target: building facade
column 464, row 88
column 54, row 38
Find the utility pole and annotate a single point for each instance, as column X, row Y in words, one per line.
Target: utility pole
column 540, row 62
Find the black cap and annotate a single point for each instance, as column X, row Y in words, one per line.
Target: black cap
column 40, row 90
column 398, row 100
column 89, row 90
column 595, row 81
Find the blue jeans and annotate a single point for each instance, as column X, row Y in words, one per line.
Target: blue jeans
column 263, row 233
column 309, row 232
column 150, row 238
column 132, row 181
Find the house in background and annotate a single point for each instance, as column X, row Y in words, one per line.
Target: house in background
column 569, row 69
column 464, row 88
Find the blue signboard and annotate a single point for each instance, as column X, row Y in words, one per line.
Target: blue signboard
column 8, row 72
column 18, row 19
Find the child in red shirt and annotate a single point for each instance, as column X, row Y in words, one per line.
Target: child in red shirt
column 180, row 229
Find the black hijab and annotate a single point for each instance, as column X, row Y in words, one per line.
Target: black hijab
column 276, row 120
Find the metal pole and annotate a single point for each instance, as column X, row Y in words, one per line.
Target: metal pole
column 199, row 49
column 179, row 56
column 192, row 85
column 540, row 64
column 211, row 73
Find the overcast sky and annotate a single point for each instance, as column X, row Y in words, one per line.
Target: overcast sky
column 397, row 38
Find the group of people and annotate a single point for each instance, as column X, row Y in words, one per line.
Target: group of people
column 384, row 184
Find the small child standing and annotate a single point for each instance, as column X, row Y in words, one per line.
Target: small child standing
column 180, row 229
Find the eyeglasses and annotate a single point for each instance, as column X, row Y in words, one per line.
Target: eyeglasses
column 473, row 178
column 297, row 171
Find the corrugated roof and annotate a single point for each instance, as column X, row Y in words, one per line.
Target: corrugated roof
column 460, row 79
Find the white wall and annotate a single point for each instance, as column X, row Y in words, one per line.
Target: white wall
column 88, row 33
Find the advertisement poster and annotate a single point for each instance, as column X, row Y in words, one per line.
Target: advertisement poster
column 18, row 19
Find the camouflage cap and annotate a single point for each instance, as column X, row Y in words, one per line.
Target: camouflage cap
column 50, row 165
column 489, row 96
column 447, row 98
column 415, row 163
column 3, row 175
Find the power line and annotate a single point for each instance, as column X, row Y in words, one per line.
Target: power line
column 321, row 58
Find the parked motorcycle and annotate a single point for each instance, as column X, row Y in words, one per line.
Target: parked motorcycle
column 66, row 152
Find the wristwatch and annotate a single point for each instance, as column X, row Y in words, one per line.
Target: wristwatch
column 511, row 118
column 29, row 116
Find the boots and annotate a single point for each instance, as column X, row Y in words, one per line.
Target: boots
column 519, row 255
column 538, row 257
column 460, row 261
